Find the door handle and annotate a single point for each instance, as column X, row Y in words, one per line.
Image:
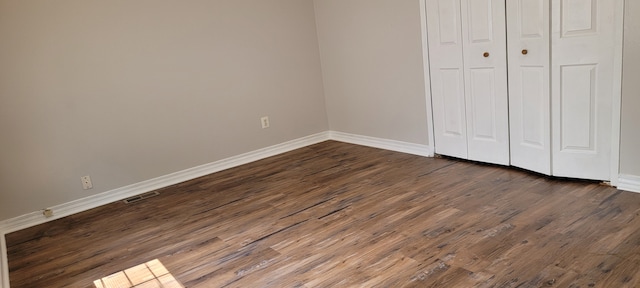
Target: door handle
column 525, row 51
column 486, row 54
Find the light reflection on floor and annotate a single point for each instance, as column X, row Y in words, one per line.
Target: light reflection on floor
column 147, row 275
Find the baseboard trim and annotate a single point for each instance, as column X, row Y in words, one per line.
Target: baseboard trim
column 629, row 183
column 393, row 145
column 84, row 204
column 4, row 263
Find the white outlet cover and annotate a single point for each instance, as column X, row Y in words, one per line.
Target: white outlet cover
column 86, row 182
column 265, row 122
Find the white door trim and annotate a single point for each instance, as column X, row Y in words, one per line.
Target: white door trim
column 4, row 262
column 427, row 71
column 617, row 92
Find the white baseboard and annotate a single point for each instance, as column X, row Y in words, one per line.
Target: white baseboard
column 84, row 204
column 629, row 183
column 4, row 263
column 393, row 145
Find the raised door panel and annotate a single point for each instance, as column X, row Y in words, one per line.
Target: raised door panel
column 482, row 102
column 452, row 103
column 529, row 90
column 447, row 77
column 578, row 108
column 583, row 43
column 485, row 75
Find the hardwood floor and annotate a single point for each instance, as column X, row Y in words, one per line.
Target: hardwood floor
column 340, row 215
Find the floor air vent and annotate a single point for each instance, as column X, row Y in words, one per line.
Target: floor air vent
column 141, row 197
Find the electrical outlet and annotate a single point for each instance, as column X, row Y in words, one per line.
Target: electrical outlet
column 265, row 122
column 86, row 182
column 47, row 213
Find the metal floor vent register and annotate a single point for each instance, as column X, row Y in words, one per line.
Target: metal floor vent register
column 141, row 197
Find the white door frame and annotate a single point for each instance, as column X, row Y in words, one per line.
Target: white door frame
column 616, row 103
column 427, row 73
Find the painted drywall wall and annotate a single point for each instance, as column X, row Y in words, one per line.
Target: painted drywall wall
column 125, row 91
column 371, row 55
column 630, row 134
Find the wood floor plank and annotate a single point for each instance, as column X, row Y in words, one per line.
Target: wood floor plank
column 342, row 215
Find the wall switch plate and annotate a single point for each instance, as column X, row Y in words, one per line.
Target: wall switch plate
column 86, row 182
column 265, row 122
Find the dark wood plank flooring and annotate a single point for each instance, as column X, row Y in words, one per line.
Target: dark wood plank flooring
column 341, row 215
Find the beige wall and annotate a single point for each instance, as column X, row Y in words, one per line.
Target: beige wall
column 630, row 132
column 372, row 67
column 126, row 91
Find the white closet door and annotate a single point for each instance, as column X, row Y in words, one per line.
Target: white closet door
column 582, row 86
column 529, row 98
column 447, row 77
column 485, row 75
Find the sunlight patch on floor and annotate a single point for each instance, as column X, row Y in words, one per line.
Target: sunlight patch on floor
column 147, row 275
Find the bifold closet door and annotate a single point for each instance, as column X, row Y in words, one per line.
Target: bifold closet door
column 561, row 86
column 467, row 48
column 447, row 77
column 582, row 45
column 529, row 91
column 485, row 66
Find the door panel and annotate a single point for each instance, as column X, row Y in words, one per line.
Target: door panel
column 453, row 102
column 534, row 100
column 578, row 17
column 529, row 90
column 448, row 21
column 582, row 87
column 447, row 77
column 482, row 97
column 485, row 67
column 577, row 108
column 528, row 18
column 480, row 21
